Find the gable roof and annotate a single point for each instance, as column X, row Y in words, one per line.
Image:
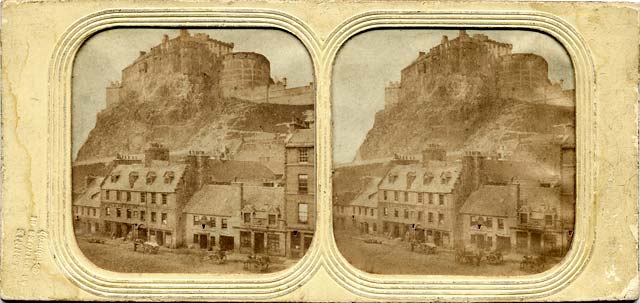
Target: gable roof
column 492, row 200
column 226, row 171
column 263, row 198
column 539, row 199
column 122, row 180
column 301, row 137
column 368, row 197
column 498, row 171
column 215, row 200
column 430, row 176
column 91, row 196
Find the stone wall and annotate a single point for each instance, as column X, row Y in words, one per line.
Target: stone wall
column 277, row 93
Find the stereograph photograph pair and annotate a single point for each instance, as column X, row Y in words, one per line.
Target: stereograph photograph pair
column 168, row 152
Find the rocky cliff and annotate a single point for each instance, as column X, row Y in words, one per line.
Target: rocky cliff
column 178, row 113
column 460, row 112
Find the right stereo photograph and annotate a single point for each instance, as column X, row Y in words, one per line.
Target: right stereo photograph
column 454, row 152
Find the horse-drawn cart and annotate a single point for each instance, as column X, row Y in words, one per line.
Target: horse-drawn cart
column 533, row 263
column 218, row 256
column 147, row 247
column 468, row 255
column 257, row 263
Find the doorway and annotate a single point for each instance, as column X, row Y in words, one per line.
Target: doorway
column 226, row 242
column 203, row 241
column 258, row 243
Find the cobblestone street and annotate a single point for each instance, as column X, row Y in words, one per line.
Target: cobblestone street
column 118, row 255
column 394, row 256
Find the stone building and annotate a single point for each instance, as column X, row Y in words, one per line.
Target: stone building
column 210, row 217
column 362, row 213
column 267, row 149
column 489, row 215
column 86, row 208
column 262, row 225
column 299, row 174
column 421, row 198
column 146, row 200
column 245, row 70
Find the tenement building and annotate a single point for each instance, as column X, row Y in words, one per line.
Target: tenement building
column 422, row 199
column 86, row 207
column 299, row 170
column 146, row 200
column 361, row 213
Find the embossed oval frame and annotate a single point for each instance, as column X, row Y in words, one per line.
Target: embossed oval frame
column 323, row 252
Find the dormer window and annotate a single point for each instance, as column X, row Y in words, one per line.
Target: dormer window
column 115, row 177
column 151, row 177
column 393, row 178
column 168, row 177
column 133, row 177
column 428, row 177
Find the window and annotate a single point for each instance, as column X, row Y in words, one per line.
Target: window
column 82, row 208
column 118, row 212
column 224, row 223
column 500, row 223
column 430, row 198
column 143, row 197
column 153, row 216
column 128, row 196
column 108, row 194
column 163, row 217
column 489, row 222
column 420, row 198
column 128, row 214
column 440, row 218
column 303, row 183
column 143, row 215
column 135, row 214
column 118, row 195
column 396, row 213
column 359, row 211
column 430, row 217
column 153, row 198
column 384, row 192
column 107, row 211
column 303, row 155
column 473, row 221
column 406, row 196
column 303, row 212
column 164, row 199
column 247, row 217
column 372, row 214
column 386, row 211
column 272, row 219
column 523, row 219
column 196, row 220
column 441, row 199
column 212, row 221
column 196, row 239
column 395, row 196
column 419, row 216
column 548, row 220
column 93, row 212
column 406, row 214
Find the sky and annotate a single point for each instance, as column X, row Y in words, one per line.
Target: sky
column 368, row 61
column 103, row 56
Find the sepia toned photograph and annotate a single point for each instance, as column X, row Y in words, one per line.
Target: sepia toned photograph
column 193, row 150
column 454, row 152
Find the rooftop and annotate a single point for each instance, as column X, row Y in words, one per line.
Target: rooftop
column 430, row 176
column 492, row 200
column 158, row 177
column 216, row 200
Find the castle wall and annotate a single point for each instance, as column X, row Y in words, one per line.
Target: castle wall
column 391, row 95
column 274, row 94
column 113, row 95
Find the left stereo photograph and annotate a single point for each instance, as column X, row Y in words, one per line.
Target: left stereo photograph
column 193, row 150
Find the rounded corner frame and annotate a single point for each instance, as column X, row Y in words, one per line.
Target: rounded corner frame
column 468, row 288
column 67, row 256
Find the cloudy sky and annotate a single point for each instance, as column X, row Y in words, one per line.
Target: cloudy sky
column 370, row 60
column 102, row 58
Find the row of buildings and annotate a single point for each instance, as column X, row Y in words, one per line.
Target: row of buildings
column 200, row 201
column 491, row 203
